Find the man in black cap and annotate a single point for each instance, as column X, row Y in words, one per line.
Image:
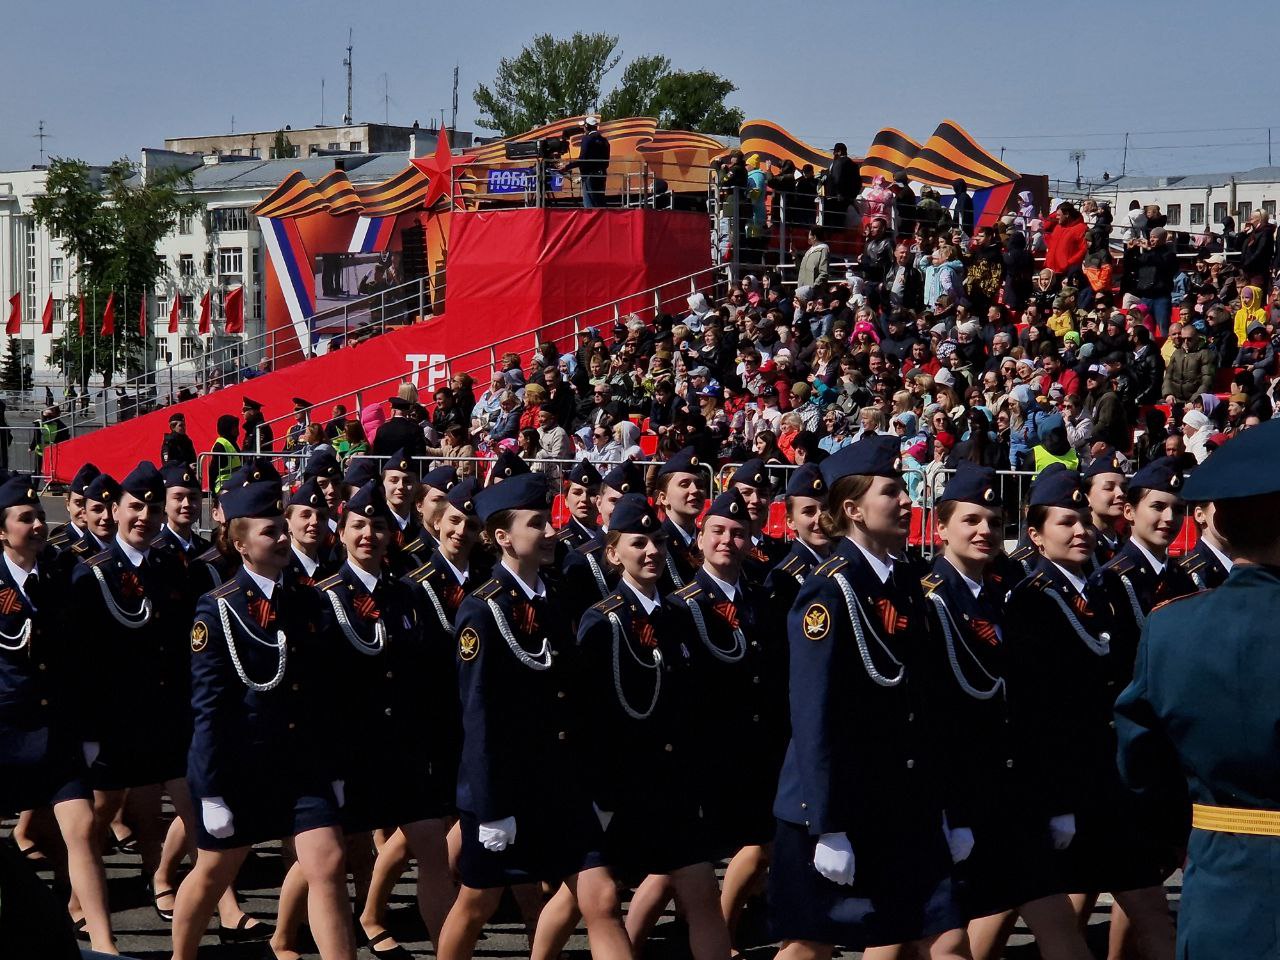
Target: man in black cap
column 301, row 417
column 400, row 432
column 841, row 187
column 1199, row 717
column 256, row 431
column 176, row 447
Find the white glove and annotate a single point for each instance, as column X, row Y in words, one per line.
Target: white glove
column 497, row 834
column 1063, row 830
column 960, row 842
column 91, row 750
column 217, row 817
column 604, row 816
column 340, row 792
column 833, row 858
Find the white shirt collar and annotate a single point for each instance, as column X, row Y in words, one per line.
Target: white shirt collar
column 645, row 603
column 19, row 575
column 185, row 544
column 974, row 586
column 333, row 525
column 1156, row 564
column 102, row 544
column 266, row 586
column 368, row 579
column 401, row 522
column 881, row 569
column 1076, row 582
column 1227, row 562
column 309, row 565
column 135, row 557
column 730, row 590
column 538, row 590
column 459, row 574
column 684, row 535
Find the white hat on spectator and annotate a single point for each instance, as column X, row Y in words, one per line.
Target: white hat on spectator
column 1195, row 420
column 591, row 121
column 945, row 377
column 1218, row 258
column 698, row 304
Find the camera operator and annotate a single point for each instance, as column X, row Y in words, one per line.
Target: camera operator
column 592, row 163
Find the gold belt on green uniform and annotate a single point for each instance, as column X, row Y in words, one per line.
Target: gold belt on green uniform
column 1260, row 823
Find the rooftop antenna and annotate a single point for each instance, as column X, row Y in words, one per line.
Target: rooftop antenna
column 233, row 123
column 1076, row 157
column 453, row 118
column 386, row 100
column 42, row 137
column 322, row 101
column 346, row 117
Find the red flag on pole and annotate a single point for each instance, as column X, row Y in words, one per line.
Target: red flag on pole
column 109, row 316
column 233, row 310
column 142, row 317
column 15, row 315
column 175, row 311
column 204, row 312
column 81, row 315
column 46, row 321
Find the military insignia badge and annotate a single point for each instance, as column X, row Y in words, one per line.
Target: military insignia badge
column 199, row 636
column 468, row 644
column 817, row 622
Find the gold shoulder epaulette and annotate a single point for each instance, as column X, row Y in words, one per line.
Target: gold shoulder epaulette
column 930, row 583
column 98, row 559
column 832, row 566
column 1164, row 603
column 490, row 588
column 329, row 582
column 226, row 590
column 609, row 603
column 689, row 591
column 422, row 573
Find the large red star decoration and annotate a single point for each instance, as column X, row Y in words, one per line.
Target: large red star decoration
column 439, row 169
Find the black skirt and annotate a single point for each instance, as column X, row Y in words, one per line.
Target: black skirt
column 657, row 839
column 272, row 811
column 550, row 845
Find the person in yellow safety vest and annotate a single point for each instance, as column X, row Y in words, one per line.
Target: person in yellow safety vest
column 1054, row 446
column 51, row 430
column 226, row 455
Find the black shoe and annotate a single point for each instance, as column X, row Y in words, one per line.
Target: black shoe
column 243, row 933
column 82, row 929
column 165, row 915
column 398, row 952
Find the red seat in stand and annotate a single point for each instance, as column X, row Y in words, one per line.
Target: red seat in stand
column 648, row 444
column 1186, row 539
column 776, row 524
column 559, row 511
column 916, row 537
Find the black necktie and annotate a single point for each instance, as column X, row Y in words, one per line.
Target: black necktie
column 32, row 589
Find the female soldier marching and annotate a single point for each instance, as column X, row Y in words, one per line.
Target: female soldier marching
column 397, row 665
column 1005, row 858
column 806, row 496
column 40, row 722
column 1064, row 675
column 262, row 762
column 525, row 812
column 860, row 857
column 681, row 495
column 587, row 577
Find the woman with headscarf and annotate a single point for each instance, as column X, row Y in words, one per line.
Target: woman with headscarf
column 1252, row 310
column 371, row 418
column 1197, row 430
column 627, row 436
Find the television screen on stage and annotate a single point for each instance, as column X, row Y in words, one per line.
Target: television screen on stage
column 343, row 278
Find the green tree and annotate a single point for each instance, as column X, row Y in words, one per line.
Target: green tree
column 694, row 100
column 281, row 146
column 551, row 78
column 547, row 80
column 11, row 373
column 110, row 220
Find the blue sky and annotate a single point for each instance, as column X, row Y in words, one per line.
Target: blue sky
column 1193, row 82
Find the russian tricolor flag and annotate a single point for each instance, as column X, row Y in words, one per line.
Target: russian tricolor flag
column 293, row 270
column 372, row 235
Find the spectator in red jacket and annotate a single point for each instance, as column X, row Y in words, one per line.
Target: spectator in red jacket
column 1064, row 232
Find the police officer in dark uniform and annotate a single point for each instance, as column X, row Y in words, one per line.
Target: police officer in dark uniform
column 586, row 576
column 1199, row 717
column 126, row 603
column 681, row 495
column 323, row 467
column 806, row 497
column 456, row 563
column 41, row 725
column 1209, row 562
column 400, row 487
column 360, row 470
column 218, row 564
column 433, row 494
column 1105, row 484
column 644, row 749
column 100, row 497
column 264, row 760
column 506, row 465
column 65, row 535
column 580, row 497
column 752, row 480
column 307, row 518
column 1063, row 673
column 400, row 701
column 995, row 809
column 525, row 811
column 738, row 665
column 182, row 507
column 860, row 856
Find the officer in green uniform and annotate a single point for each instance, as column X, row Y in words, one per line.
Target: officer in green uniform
column 1199, row 717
